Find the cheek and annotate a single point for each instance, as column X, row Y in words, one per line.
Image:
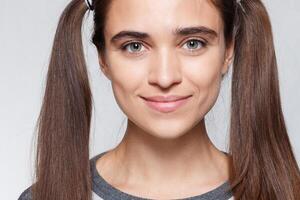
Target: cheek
column 204, row 74
column 203, row 71
column 126, row 77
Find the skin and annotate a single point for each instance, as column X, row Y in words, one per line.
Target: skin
column 165, row 155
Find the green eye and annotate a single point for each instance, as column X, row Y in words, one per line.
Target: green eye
column 133, row 47
column 194, row 44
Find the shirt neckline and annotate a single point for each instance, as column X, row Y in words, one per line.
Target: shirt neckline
column 106, row 191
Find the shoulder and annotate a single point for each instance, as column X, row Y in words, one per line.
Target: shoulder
column 26, row 194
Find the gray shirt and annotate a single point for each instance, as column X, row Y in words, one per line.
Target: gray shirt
column 102, row 190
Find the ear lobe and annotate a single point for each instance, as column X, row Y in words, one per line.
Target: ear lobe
column 225, row 69
column 103, row 66
column 228, row 58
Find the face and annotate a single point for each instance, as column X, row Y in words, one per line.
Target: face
column 165, row 48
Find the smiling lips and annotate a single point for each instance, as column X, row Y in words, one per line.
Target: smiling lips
column 166, row 103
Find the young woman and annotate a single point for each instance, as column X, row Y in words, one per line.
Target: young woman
column 166, row 61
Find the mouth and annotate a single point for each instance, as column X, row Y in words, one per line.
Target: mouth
column 166, row 104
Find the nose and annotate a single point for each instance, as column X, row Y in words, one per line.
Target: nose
column 165, row 69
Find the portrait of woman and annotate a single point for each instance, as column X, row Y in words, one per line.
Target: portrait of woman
column 165, row 60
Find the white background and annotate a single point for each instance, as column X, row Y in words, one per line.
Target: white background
column 26, row 34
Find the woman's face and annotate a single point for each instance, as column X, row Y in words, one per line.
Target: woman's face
column 163, row 48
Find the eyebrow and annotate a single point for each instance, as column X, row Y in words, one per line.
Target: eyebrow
column 178, row 31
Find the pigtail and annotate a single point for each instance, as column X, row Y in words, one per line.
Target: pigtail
column 263, row 164
column 62, row 162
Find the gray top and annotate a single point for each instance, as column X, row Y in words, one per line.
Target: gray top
column 102, row 190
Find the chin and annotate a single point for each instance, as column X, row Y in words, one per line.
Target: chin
column 167, row 130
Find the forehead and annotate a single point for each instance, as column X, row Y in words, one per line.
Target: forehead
column 157, row 16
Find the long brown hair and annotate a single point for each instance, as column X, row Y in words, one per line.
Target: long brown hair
column 263, row 163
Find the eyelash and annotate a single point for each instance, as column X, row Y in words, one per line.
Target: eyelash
column 200, row 42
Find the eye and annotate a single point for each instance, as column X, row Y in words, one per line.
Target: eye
column 133, row 47
column 194, row 44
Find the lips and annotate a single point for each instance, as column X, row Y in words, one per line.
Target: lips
column 165, row 98
column 166, row 103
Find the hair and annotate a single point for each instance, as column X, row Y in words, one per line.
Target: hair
column 263, row 166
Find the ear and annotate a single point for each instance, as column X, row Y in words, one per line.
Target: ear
column 228, row 57
column 103, row 65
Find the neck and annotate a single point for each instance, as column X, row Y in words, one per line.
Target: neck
column 190, row 157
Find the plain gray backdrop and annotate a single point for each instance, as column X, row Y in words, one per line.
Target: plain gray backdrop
column 26, row 33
